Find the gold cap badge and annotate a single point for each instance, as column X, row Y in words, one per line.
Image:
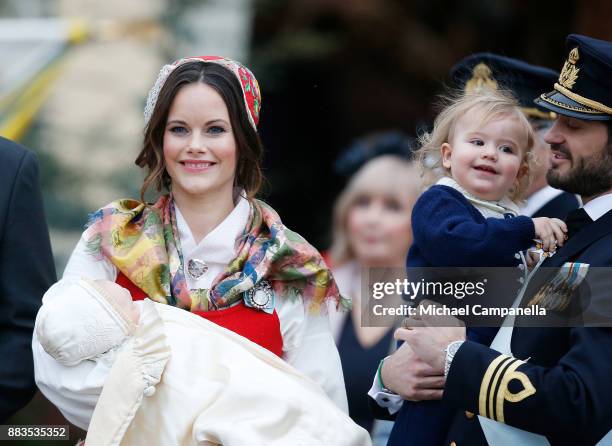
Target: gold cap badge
column 569, row 73
column 481, row 78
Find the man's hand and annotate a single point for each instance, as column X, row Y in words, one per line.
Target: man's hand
column 429, row 336
column 405, row 374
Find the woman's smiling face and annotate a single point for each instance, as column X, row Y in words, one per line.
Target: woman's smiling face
column 200, row 152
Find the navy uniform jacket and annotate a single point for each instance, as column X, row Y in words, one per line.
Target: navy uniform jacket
column 26, row 272
column 566, row 383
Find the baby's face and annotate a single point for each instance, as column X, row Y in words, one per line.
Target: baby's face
column 120, row 297
column 485, row 158
column 84, row 319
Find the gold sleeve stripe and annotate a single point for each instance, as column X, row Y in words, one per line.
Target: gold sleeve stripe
column 486, row 381
column 504, row 393
column 494, row 387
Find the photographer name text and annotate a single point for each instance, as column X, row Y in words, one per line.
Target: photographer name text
column 467, row 310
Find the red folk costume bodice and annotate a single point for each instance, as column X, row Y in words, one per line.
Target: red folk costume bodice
column 258, row 326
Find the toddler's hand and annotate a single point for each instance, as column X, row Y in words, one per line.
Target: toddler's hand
column 551, row 231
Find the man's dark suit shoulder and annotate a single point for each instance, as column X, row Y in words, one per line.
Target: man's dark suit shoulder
column 13, row 154
column 26, row 271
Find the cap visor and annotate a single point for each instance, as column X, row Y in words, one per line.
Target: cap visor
column 561, row 104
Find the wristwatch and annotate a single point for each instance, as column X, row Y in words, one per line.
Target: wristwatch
column 450, row 351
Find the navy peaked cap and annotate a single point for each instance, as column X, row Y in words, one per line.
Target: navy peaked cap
column 524, row 80
column 584, row 87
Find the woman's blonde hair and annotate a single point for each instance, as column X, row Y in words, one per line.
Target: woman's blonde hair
column 491, row 105
column 387, row 175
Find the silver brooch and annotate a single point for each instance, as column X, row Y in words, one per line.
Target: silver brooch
column 260, row 296
column 196, row 268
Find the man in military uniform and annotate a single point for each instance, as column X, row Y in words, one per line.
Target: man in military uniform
column 551, row 385
column 526, row 82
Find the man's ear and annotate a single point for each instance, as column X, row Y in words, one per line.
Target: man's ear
column 445, row 154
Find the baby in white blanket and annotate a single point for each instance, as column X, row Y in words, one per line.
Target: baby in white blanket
column 87, row 319
column 167, row 361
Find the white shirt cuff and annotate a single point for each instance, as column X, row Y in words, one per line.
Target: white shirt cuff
column 391, row 401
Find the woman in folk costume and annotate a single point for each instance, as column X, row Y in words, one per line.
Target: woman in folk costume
column 207, row 246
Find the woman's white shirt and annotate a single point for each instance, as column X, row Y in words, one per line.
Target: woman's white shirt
column 308, row 344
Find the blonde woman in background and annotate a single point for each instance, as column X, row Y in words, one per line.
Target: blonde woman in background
column 371, row 229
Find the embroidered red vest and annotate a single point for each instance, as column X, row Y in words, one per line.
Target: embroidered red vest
column 260, row 327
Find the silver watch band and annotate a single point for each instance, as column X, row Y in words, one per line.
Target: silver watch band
column 450, row 351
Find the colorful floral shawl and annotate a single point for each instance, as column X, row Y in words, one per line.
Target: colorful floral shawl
column 142, row 242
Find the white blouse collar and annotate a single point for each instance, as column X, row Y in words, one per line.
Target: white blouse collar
column 219, row 244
